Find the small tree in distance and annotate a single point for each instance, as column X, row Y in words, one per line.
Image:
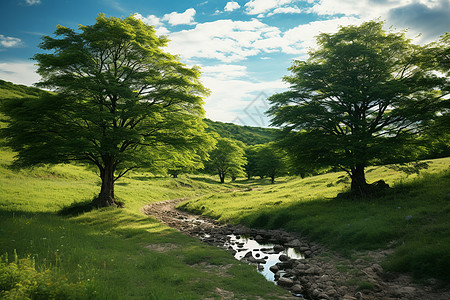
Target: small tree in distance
column 361, row 98
column 271, row 161
column 120, row 103
column 227, row 158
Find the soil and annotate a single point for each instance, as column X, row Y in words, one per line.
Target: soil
column 323, row 274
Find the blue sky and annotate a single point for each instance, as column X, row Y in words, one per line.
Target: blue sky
column 244, row 47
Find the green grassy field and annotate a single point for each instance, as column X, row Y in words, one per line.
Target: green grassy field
column 412, row 217
column 122, row 254
column 108, row 253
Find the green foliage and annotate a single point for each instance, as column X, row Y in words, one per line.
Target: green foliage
column 271, row 161
column 266, row 160
column 227, row 158
column 247, row 134
column 360, row 99
column 121, row 103
column 251, row 167
column 19, row 279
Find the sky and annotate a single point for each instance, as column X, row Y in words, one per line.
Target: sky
column 243, row 47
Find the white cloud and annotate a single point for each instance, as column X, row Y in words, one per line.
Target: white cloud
column 365, row 9
column 427, row 17
column 256, row 7
column 19, row 72
column 154, row 21
column 33, row 2
column 232, row 5
column 285, row 10
column 9, row 42
column 225, row 40
column 232, row 95
column 223, row 71
column 185, row 18
column 231, row 41
column 303, row 37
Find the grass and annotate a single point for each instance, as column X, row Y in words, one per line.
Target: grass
column 412, row 217
column 108, row 253
column 96, row 254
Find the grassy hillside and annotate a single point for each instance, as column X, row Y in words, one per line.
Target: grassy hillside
column 9, row 90
column 412, row 217
column 108, row 253
column 247, row 134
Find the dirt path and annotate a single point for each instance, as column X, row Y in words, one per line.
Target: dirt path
column 322, row 274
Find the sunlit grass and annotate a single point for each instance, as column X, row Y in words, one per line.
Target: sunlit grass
column 412, row 216
column 113, row 253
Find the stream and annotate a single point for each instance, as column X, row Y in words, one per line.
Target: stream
column 262, row 254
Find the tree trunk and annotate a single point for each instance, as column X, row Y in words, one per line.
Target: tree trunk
column 106, row 196
column 359, row 185
column 222, row 177
column 272, row 179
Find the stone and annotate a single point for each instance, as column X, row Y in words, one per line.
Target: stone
column 403, row 292
column 315, row 293
column 286, row 282
column 377, row 269
column 293, row 243
column 297, row 288
column 331, row 292
column 283, row 257
column 323, row 296
column 304, row 248
column 278, row 248
column 274, row 268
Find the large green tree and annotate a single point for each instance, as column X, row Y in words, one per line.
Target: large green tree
column 118, row 102
column 227, row 158
column 361, row 98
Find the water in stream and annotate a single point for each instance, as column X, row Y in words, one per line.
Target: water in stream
column 263, row 252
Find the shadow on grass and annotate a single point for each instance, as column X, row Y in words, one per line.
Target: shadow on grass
column 77, row 208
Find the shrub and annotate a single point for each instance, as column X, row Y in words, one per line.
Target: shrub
column 20, row 279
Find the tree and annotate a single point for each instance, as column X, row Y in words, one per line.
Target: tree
column 250, row 167
column 271, row 161
column 361, row 98
column 227, row 158
column 437, row 137
column 119, row 102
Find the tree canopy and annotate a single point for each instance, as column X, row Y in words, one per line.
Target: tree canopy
column 361, row 98
column 118, row 102
column 227, row 158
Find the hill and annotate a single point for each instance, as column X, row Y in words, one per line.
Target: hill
column 247, row 134
column 9, row 90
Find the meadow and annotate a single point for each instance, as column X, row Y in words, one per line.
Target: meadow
column 96, row 254
column 108, row 253
column 411, row 218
